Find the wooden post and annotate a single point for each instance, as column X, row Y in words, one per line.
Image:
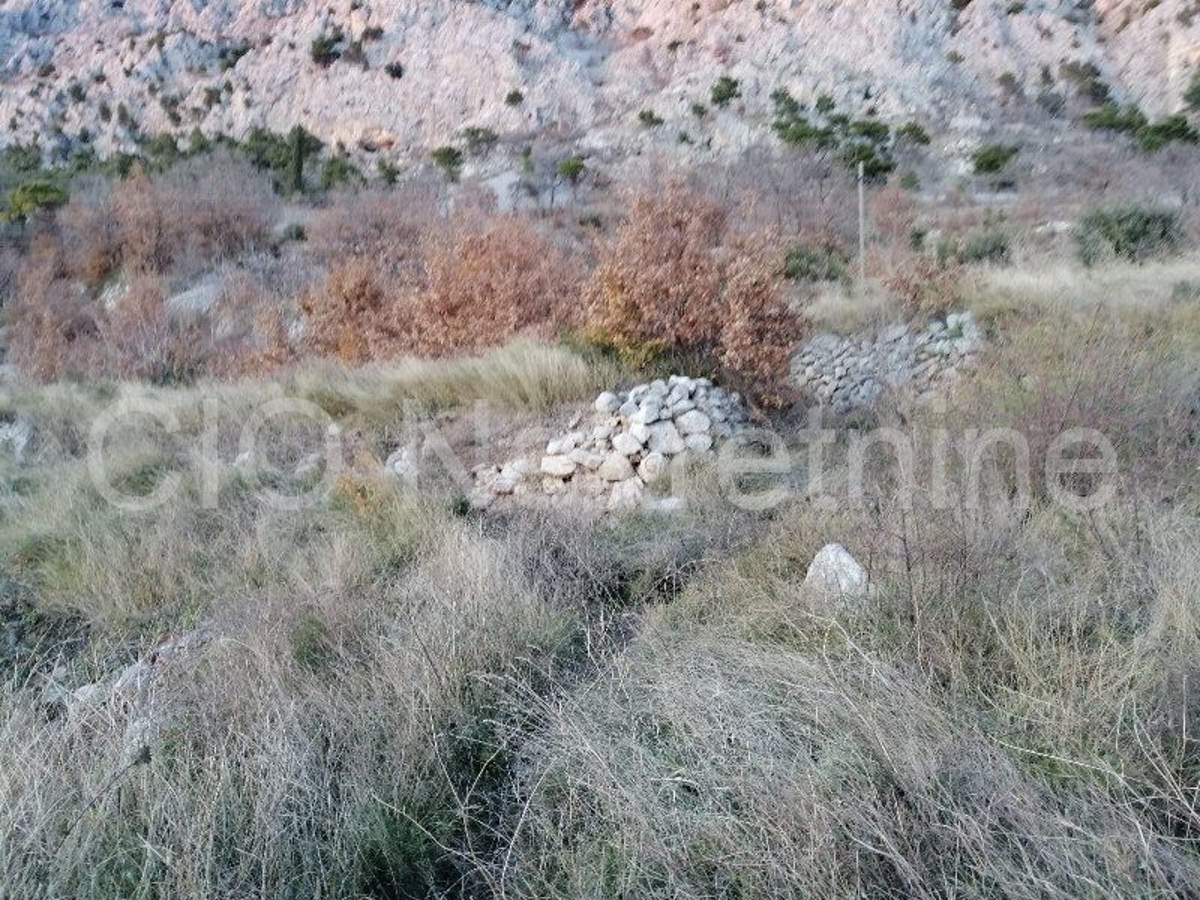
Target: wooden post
column 862, row 226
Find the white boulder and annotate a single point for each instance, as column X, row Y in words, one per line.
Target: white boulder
column 836, row 575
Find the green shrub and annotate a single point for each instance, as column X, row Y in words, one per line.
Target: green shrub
column 809, row 262
column 989, row 246
column 394, row 70
column 29, row 197
column 324, row 49
column 915, row 133
column 724, row 91
column 871, row 129
column 572, row 168
column 1112, row 117
column 650, row 118
column 876, row 161
column 514, row 98
column 1173, row 128
column 338, row 171
column 993, row 158
column 479, row 140
column 1131, row 233
column 449, row 160
column 22, row 158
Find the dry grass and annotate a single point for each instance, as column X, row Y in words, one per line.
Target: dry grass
column 1056, row 284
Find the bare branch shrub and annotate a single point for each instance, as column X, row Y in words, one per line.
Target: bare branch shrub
column 386, row 227
column 200, row 211
column 52, row 327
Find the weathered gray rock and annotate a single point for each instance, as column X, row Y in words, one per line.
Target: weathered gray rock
column 627, row 444
column 665, row 439
column 557, row 466
column 616, row 467
column 626, row 495
column 835, row 575
column 653, row 467
column 607, row 402
column 693, row 422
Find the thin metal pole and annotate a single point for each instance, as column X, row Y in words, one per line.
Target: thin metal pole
column 862, row 226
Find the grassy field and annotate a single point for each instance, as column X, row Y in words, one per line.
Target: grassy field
column 387, row 695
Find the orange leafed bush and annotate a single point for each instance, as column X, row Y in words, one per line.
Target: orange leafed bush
column 356, row 315
column 923, row 286
column 488, row 283
column 659, row 284
column 758, row 331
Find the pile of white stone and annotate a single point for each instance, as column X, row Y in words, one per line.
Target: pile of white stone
column 627, row 442
column 847, row 372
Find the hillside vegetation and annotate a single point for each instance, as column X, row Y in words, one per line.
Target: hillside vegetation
column 238, row 668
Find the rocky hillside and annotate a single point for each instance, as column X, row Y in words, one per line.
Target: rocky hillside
column 391, row 79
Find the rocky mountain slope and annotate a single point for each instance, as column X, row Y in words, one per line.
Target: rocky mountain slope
column 394, row 78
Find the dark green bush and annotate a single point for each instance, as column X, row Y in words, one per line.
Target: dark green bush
column 993, row 158
column 875, row 160
column 1131, row 233
column 812, row 262
column 31, row 196
column 650, row 118
column 479, row 140
column 338, row 171
column 1173, row 128
column 1112, row 117
column 324, row 49
column 914, row 132
column 449, row 160
column 725, row 89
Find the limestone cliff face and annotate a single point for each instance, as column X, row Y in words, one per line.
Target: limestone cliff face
column 405, row 75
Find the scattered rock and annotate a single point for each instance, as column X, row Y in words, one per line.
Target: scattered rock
column 607, row 403
column 834, row 575
column 626, row 495
column 558, row 466
column 616, row 467
column 847, row 372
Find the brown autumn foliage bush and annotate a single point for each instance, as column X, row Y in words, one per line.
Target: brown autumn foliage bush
column 52, row 327
column 923, row 286
column 758, row 331
column 658, row 285
column 676, row 279
column 88, row 233
column 486, row 283
column 355, row 314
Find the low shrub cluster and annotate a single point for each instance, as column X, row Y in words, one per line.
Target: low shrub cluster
column 674, row 280
column 1130, row 233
